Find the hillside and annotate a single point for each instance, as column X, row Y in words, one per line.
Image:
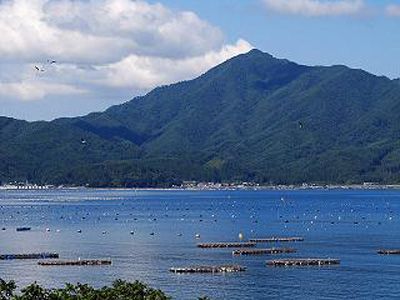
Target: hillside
column 254, row 117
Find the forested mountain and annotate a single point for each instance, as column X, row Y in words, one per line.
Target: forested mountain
column 252, row 118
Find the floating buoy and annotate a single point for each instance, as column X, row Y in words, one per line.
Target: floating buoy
column 241, row 236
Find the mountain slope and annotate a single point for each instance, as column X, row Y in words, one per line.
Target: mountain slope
column 253, row 117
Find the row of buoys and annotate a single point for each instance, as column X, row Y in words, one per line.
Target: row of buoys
column 197, row 235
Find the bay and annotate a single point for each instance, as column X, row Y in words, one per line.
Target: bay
column 347, row 224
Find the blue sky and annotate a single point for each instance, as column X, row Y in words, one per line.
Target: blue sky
column 369, row 40
column 108, row 51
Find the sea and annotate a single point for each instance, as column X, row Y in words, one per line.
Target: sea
column 146, row 232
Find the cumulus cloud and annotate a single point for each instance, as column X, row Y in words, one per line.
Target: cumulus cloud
column 30, row 90
column 315, row 7
column 99, row 31
column 128, row 44
column 393, row 10
column 162, row 70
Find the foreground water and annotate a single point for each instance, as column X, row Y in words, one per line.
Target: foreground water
column 350, row 225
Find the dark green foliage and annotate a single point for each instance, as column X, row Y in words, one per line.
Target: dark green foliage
column 252, row 118
column 7, row 289
column 120, row 290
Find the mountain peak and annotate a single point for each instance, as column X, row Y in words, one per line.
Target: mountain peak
column 253, row 62
column 258, row 52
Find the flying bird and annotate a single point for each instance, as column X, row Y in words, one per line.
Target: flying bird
column 39, row 69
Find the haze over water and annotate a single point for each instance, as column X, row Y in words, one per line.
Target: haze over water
column 349, row 225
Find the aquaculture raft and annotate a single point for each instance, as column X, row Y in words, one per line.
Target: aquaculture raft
column 83, row 262
column 44, row 255
column 23, row 229
column 263, row 251
column 209, row 269
column 227, row 245
column 389, row 251
column 277, row 239
column 303, row 262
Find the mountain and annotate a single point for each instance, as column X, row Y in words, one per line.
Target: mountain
column 252, row 118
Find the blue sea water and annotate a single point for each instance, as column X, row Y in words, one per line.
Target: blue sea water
column 346, row 224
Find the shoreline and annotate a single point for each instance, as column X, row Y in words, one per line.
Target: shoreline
column 219, row 188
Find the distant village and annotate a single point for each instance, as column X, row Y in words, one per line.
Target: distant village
column 25, row 186
column 195, row 185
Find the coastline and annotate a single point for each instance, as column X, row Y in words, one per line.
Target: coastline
column 214, row 187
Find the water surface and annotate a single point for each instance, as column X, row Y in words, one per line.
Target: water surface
column 350, row 225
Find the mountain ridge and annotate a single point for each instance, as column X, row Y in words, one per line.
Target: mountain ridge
column 253, row 117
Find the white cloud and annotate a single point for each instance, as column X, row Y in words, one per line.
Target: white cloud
column 27, row 37
column 143, row 72
column 100, row 31
column 393, row 10
column 127, row 44
column 315, row 7
column 28, row 90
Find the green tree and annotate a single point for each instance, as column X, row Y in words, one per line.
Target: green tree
column 119, row 290
column 7, row 289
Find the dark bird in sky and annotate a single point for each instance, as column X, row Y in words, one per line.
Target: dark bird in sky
column 42, row 69
column 39, row 69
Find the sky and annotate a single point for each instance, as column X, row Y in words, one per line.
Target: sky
column 62, row 58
